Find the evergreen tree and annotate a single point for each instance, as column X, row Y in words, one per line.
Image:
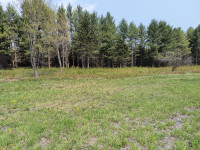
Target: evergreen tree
column 95, row 39
column 160, row 38
column 121, row 52
column 190, row 33
column 180, row 41
column 142, row 37
column 154, row 37
column 75, row 46
column 132, row 42
column 14, row 24
column 123, row 29
column 4, row 36
column 195, row 44
column 166, row 38
column 86, row 37
column 107, row 39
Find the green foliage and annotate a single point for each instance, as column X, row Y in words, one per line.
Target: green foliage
column 123, row 29
column 121, row 53
column 79, row 37
column 132, row 34
column 107, row 38
column 195, row 44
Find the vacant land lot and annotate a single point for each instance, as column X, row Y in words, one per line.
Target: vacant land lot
column 130, row 108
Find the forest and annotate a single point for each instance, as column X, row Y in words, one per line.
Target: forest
column 41, row 35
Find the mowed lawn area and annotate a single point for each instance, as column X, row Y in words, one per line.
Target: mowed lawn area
column 128, row 108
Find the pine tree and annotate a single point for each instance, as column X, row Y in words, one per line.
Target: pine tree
column 132, row 42
column 107, row 40
column 14, row 22
column 154, row 37
column 121, row 52
column 180, row 41
column 4, row 36
column 160, row 38
column 95, row 40
column 166, row 37
column 195, row 44
column 123, row 29
column 142, row 37
column 86, row 37
column 75, row 46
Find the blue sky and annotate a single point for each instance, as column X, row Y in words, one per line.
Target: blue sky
column 178, row 13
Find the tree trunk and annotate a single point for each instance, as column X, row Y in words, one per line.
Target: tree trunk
column 16, row 64
column 174, row 67
column 63, row 54
column 42, row 63
column 59, row 59
column 1, row 62
column 49, row 59
column 135, row 60
column 108, row 63
column 34, row 65
column 73, row 60
column 66, row 57
column 36, row 71
column 196, row 59
column 67, row 61
column 78, row 61
column 88, row 62
column 83, row 65
column 33, row 57
column 132, row 58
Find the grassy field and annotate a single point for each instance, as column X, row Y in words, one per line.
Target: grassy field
column 128, row 108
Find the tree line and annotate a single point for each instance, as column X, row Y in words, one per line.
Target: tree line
column 43, row 36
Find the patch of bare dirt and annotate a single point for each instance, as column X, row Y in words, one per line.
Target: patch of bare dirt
column 168, row 142
column 63, row 137
column 101, row 146
column 192, row 109
column 92, row 141
column 126, row 148
column 44, row 142
column 178, row 120
column 136, row 143
column 11, row 80
column 117, row 125
column 3, row 129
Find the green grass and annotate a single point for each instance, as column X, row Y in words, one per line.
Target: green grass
column 88, row 110
column 77, row 73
